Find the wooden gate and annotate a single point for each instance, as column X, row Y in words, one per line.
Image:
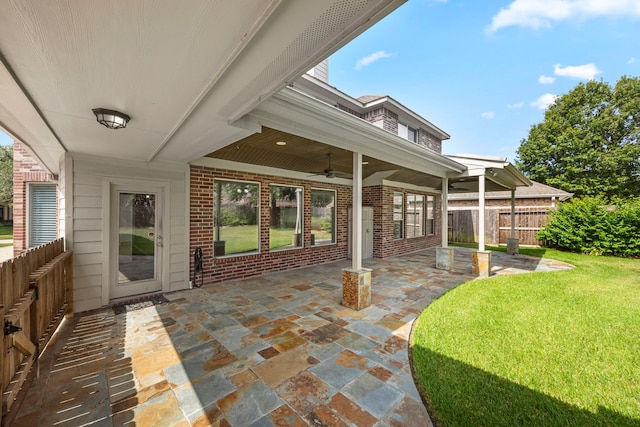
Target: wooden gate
column 36, row 294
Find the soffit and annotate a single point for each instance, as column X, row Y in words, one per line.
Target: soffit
column 306, row 155
column 182, row 70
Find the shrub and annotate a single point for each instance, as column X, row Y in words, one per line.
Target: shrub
column 323, row 224
column 595, row 225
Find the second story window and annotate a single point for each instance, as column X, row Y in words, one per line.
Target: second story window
column 407, row 132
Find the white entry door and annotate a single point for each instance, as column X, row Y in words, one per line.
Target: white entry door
column 136, row 240
column 367, row 232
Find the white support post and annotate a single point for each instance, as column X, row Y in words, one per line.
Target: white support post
column 481, row 207
column 513, row 214
column 445, row 212
column 356, row 225
column 513, row 245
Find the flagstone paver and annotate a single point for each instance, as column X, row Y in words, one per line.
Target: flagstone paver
column 272, row 350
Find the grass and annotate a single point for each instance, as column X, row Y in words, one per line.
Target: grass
column 548, row 349
column 141, row 243
column 242, row 239
column 6, row 230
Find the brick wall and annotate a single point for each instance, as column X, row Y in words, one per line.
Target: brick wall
column 429, row 141
column 384, row 245
column 25, row 170
column 388, row 121
column 234, row 267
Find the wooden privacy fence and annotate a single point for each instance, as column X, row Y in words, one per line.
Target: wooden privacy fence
column 36, row 294
column 463, row 225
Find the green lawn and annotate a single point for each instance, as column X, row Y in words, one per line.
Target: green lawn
column 540, row 349
column 141, row 243
column 6, row 230
column 241, row 239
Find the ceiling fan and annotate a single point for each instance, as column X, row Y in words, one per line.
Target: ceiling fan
column 330, row 172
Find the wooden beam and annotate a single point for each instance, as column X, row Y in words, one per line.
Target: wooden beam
column 16, row 312
column 23, row 344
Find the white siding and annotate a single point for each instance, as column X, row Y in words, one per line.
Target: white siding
column 91, row 210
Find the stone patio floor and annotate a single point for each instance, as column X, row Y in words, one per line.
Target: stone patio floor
column 273, row 350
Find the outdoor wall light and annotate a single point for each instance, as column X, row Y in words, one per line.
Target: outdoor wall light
column 111, row 118
column 492, row 172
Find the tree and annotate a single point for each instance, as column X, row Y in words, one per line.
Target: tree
column 588, row 143
column 6, row 173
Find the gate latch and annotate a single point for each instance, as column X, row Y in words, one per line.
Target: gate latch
column 9, row 328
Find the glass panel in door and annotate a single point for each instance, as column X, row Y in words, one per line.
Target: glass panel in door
column 136, row 237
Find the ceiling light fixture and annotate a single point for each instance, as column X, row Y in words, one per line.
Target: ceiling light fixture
column 281, row 143
column 365, row 163
column 110, row 118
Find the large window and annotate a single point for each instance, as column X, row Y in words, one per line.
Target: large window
column 398, row 215
column 415, row 215
column 323, row 217
column 285, row 227
column 431, row 215
column 236, row 217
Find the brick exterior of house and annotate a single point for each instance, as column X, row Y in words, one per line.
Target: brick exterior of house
column 218, row 269
column 25, row 172
column 379, row 197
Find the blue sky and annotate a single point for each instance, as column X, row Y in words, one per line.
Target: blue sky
column 484, row 71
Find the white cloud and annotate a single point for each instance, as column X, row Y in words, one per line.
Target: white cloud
column 542, row 13
column 488, row 115
column 544, row 101
column 633, row 60
column 582, row 72
column 516, row 105
column 368, row 60
column 546, row 80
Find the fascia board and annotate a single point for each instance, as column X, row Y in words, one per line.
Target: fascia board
column 309, row 82
column 518, row 176
column 460, row 196
column 21, row 119
column 413, row 187
column 297, row 113
column 376, row 11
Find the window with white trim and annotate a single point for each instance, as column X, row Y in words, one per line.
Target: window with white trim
column 407, row 132
column 236, row 217
column 285, row 227
column 43, row 218
column 398, row 215
column 323, row 217
column 431, row 215
column 415, row 215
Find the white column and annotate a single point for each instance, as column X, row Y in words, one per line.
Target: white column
column 513, row 214
column 481, row 187
column 356, row 217
column 445, row 212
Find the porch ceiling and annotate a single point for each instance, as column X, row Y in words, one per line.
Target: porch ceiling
column 308, row 156
column 183, row 71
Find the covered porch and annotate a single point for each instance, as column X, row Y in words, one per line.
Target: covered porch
column 277, row 349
